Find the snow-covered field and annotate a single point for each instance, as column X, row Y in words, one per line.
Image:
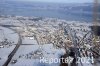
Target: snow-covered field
column 48, row 32
column 6, row 50
column 29, row 40
column 9, row 34
column 29, row 55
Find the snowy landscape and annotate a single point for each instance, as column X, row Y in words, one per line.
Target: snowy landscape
column 8, row 39
column 25, row 40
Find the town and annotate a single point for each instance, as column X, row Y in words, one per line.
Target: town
column 23, row 40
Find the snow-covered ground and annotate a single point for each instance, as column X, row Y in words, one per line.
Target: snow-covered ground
column 10, row 21
column 30, row 55
column 29, row 40
column 9, row 34
column 46, row 31
column 6, row 50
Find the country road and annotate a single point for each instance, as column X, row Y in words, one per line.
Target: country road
column 10, row 56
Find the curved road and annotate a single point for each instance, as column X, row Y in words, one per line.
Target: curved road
column 10, row 56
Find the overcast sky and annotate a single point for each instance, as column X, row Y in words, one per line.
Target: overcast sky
column 61, row 1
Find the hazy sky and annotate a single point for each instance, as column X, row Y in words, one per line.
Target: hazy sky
column 61, row 1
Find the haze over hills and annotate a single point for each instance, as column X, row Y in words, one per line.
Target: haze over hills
column 57, row 1
column 68, row 11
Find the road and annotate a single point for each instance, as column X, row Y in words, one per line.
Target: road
column 10, row 56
